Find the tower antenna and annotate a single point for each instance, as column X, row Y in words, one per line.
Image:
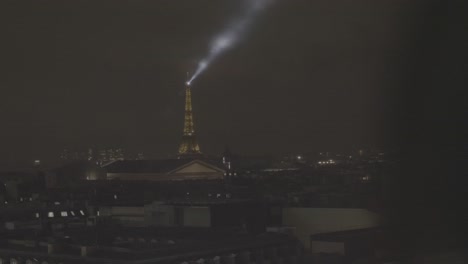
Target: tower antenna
column 188, row 80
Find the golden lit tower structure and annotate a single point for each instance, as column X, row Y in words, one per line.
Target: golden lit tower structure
column 189, row 145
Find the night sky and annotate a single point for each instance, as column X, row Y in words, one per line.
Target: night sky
column 309, row 76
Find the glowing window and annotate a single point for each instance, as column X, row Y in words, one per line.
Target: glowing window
column 72, row 213
column 81, row 212
column 50, row 214
column 37, row 215
column 64, row 213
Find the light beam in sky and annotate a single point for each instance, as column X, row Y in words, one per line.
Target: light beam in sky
column 232, row 34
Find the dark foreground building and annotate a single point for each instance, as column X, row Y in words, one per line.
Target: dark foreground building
column 111, row 244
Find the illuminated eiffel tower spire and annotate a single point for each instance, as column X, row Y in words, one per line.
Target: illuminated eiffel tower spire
column 189, row 144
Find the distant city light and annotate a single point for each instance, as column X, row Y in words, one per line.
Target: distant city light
column 326, row 162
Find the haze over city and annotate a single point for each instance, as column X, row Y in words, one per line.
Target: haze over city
column 233, row 132
column 307, row 75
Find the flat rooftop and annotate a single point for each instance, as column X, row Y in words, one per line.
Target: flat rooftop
column 136, row 245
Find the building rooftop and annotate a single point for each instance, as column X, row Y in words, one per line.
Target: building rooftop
column 347, row 235
column 152, row 166
column 138, row 245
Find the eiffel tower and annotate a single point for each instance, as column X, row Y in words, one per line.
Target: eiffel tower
column 189, row 145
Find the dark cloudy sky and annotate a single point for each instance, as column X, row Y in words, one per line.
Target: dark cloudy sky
column 310, row 75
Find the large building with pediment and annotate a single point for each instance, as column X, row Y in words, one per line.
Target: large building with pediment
column 189, row 164
column 164, row 170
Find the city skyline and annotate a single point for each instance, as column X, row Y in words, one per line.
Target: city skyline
column 80, row 76
column 247, row 131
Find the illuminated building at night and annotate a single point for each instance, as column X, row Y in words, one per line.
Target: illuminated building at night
column 189, row 145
